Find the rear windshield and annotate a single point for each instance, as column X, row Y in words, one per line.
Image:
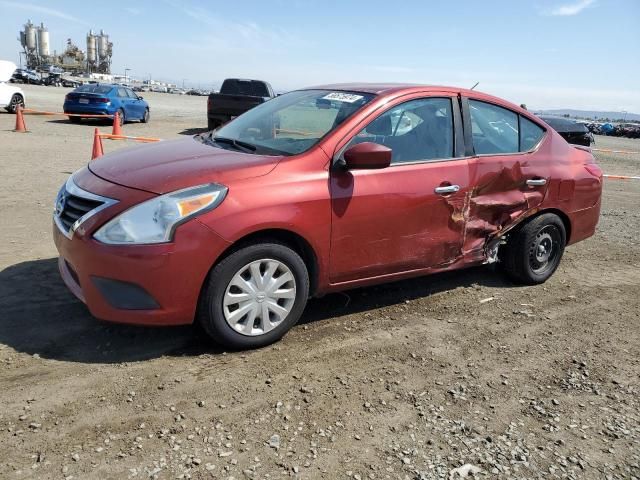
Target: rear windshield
column 94, row 88
column 254, row 88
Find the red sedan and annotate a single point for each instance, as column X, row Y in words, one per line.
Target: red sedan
column 319, row 190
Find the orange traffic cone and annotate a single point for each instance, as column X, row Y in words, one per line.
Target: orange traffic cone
column 117, row 130
column 20, row 126
column 97, row 145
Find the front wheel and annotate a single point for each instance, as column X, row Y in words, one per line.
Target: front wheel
column 16, row 101
column 146, row 116
column 533, row 253
column 254, row 296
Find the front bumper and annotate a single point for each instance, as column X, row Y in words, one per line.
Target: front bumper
column 139, row 284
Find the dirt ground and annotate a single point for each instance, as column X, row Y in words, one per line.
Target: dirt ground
column 402, row 381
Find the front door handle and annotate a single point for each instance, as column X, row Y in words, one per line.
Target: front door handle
column 447, row 189
column 536, row 182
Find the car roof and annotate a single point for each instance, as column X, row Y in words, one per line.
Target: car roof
column 383, row 89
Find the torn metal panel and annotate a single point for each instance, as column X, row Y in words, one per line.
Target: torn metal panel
column 499, row 200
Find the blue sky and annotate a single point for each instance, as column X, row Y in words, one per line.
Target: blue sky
column 545, row 53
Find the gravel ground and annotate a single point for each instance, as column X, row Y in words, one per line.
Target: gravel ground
column 447, row 376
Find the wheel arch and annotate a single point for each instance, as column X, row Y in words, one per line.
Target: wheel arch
column 293, row 240
column 563, row 216
column 566, row 221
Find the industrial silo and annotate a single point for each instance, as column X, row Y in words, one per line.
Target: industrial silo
column 43, row 41
column 91, row 48
column 103, row 42
column 30, row 36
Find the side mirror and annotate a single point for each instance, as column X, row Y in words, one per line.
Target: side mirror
column 367, row 155
column 140, row 97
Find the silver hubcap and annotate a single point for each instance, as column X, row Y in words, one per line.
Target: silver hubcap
column 259, row 297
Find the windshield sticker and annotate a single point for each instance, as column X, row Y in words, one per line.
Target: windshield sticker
column 343, row 97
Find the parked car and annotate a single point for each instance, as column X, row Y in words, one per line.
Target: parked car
column 317, row 191
column 629, row 130
column 24, row 75
column 100, row 98
column 572, row 131
column 236, row 96
column 11, row 97
column 69, row 83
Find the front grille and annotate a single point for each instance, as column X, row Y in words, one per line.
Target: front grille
column 74, row 203
column 74, row 207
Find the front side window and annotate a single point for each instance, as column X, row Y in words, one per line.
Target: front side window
column 416, row 130
column 289, row 124
column 495, row 129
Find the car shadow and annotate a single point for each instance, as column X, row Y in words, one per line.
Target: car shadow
column 87, row 122
column 41, row 317
column 193, row 131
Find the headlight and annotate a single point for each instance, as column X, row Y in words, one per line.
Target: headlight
column 155, row 220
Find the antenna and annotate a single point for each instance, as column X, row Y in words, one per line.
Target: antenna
column 474, row 86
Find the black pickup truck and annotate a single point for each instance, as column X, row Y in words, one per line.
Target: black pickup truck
column 236, row 96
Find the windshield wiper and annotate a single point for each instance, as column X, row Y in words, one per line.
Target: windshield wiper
column 239, row 144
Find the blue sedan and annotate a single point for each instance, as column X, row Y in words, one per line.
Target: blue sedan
column 100, row 98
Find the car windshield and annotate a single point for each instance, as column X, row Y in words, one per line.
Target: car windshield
column 289, row 124
column 94, row 88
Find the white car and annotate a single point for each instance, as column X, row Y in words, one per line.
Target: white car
column 10, row 96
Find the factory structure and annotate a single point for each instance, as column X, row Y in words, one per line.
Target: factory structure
column 36, row 47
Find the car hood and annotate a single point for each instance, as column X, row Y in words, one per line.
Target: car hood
column 6, row 70
column 166, row 166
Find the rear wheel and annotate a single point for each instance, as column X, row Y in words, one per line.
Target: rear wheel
column 254, row 296
column 121, row 114
column 16, row 101
column 534, row 252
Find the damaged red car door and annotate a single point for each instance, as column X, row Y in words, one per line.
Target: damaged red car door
column 406, row 216
column 509, row 177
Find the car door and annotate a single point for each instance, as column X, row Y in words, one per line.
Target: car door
column 409, row 215
column 508, row 175
column 137, row 104
column 125, row 102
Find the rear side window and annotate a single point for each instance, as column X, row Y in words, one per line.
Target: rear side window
column 122, row 92
column 495, row 129
column 530, row 134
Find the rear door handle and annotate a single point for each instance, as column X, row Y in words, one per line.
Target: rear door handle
column 447, row 189
column 536, row 182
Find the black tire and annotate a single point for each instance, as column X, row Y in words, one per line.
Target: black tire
column 75, row 119
column 15, row 102
column 146, row 117
column 534, row 251
column 121, row 114
column 210, row 314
